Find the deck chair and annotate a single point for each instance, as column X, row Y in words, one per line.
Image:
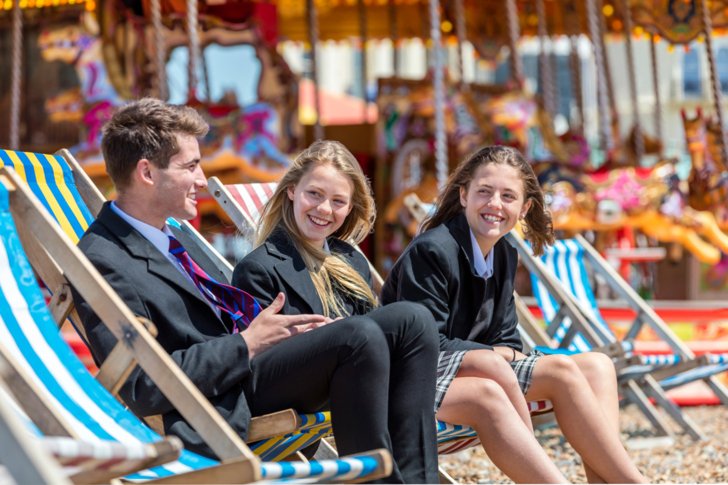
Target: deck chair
column 83, row 407
column 575, row 323
column 269, row 428
column 243, row 202
column 81, row 461
column 21, row 460
column 71, row 198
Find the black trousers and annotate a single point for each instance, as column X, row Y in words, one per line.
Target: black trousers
column 375, row 372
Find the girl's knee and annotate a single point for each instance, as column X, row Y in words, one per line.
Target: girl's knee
column 561, row 369
column 597, row 367
column 488, row 364
column 416, row 319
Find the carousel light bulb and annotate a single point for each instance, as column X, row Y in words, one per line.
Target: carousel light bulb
column 608, row 10
column 446, row 26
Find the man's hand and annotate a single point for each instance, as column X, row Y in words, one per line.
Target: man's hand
column 269, row 327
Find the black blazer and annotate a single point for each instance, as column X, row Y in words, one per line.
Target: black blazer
column 276, row 266
column 436, row 270
column 196, row 338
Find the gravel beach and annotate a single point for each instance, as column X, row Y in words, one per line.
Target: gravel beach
column 686, row 461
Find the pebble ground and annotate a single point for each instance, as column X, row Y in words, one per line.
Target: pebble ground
column 686, row 461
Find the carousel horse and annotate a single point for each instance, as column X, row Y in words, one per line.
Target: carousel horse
column 649, row 200
column 708, row 179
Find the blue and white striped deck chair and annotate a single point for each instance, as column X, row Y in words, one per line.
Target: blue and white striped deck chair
column 566, row 260
column 89, row 412
column 60, row 186
column 564, row 293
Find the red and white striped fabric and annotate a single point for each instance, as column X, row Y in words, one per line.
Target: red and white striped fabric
column 251, row 198
column 76, row 456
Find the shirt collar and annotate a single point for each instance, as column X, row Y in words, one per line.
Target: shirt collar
column 158, row 238
column 483, row 264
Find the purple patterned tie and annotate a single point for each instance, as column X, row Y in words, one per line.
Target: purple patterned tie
column 241, row 306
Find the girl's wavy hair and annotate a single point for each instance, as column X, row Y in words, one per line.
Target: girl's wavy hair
column 329, row 272
column 537, row 224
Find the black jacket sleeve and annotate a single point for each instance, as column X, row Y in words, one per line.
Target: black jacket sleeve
column 423, row 274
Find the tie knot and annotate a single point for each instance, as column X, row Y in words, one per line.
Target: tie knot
column 174, row 246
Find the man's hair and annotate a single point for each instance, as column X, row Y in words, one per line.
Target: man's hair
column 146, row 128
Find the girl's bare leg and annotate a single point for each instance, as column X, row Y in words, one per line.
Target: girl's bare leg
column 483, row 405
column 490, row 365
column 590, row 429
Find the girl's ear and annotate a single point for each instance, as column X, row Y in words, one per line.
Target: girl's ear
column 525, row 209
column 463, row 196
column 290, row 191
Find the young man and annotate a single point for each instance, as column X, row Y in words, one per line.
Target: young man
column 274, row 362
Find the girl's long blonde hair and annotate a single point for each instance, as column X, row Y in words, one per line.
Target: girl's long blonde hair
column 329, row 272
column 538, row 226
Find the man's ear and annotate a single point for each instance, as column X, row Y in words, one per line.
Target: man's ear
column 144, row 171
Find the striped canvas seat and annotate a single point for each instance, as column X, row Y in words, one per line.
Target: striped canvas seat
column 243, row 204
column 29, row 336
column 51, row 180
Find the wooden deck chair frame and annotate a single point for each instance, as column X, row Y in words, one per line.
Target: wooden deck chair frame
column 15, row 382
column 45, row 243
column 19, row 455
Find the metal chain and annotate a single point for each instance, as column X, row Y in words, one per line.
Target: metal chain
column 514, row 33
column 363, row 64
column 193, row 43
column 159, row 50
column 461, row 35
column 602, row 101
column 16, row 75
column 544, row 62
column 313, row 36
column 656, row 88
column 438, row 81
column 639, row 143
column 613, row 113
column 576, row 82
column 714, row 81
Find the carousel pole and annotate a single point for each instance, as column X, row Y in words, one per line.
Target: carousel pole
column 639, row 143
column 656, row 87
column 544, row 63
column 363, row 65
column 159, row 51
column 576, row 81
column 313, row 35
column 438, row 81
column 514, row 33
column 714, row 82
column 607, row 68
column 461, row 35
column 193, row 47
column 602, row 101
column 16, row 75
column 393, row 34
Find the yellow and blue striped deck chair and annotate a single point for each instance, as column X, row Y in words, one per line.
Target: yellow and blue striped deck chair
column 83, row 408
column 71, row 212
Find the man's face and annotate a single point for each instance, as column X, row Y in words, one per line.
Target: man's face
column 177, row 186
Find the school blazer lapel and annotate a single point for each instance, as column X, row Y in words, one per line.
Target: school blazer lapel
column 293, row 273
column 139, row 247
